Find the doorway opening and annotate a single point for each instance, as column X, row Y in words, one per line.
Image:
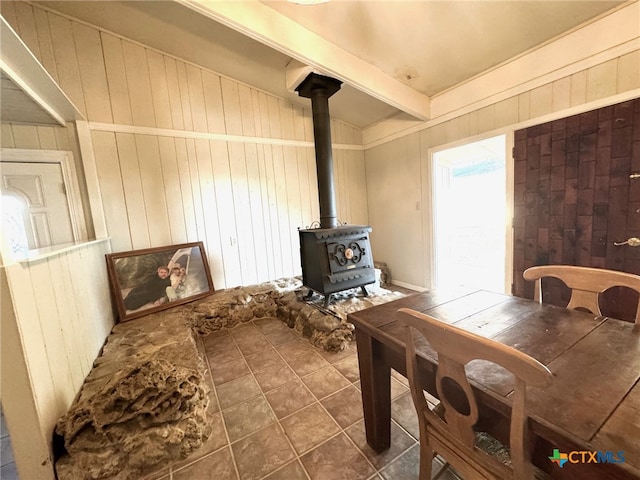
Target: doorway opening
column 470, row 215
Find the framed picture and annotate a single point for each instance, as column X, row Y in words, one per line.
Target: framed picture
column 154, row 279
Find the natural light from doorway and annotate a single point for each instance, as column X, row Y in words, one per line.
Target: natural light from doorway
column 470, row 215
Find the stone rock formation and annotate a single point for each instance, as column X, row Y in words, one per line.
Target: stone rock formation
column 143, row 404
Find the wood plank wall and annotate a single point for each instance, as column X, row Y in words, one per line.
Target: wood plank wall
column 184, row 154
column 63, row 315
column 575, row 196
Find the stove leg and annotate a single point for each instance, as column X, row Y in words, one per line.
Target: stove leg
column 364, row 290
column 309, row 295
column 327, row 300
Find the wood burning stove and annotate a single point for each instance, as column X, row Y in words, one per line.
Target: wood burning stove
column 334, row 258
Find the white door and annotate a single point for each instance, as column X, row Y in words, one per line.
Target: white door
column 470, row 215
column 35, row 193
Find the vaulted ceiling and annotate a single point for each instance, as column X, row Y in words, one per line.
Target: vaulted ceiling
column 393, row 56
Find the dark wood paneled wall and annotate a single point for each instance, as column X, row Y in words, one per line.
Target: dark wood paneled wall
column 575, row 196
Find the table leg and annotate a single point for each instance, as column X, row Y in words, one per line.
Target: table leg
column 375, row 381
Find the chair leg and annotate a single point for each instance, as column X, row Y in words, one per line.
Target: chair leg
column 426, row 461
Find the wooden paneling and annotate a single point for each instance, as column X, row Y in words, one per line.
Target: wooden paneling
column 116, row 79
column 574, row 198
column 245, row 200
column 53, row 299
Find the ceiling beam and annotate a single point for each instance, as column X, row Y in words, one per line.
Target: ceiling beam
column 269, row 27
column 24, row 69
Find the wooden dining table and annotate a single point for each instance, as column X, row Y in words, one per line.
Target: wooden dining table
column 592, row 404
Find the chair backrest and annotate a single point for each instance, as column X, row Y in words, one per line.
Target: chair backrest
column 455, row 348
column 586, row 284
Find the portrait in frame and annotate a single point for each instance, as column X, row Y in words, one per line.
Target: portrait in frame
column 153, row 279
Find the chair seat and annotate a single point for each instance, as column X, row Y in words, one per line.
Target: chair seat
column 484, row 441
column 493, row 447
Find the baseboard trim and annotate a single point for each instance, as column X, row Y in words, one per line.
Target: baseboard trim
column 409, row 286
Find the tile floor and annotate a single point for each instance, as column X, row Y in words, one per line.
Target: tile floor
column 285, row 410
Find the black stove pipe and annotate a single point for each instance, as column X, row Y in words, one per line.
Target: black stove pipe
column 319, row 88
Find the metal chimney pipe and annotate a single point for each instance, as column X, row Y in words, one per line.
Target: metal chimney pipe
column 319, row 88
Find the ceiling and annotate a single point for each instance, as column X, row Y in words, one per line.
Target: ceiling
column 16, row 105
column 393, row 56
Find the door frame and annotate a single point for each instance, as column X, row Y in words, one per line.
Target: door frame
column 63, row 158
column 428, row 198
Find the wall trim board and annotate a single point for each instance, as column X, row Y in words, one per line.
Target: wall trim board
column 22, row 67
column 166, row 132
column 271, row 28
column 576, row 51
column 567, row 112
column 409, row 286
column 49, row 252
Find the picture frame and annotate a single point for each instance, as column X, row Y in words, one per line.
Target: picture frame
column 154, row 279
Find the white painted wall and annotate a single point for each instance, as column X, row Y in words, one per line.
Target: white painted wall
column 392, row 191
column 396, row 209
column 56, row 315
column 183, row 154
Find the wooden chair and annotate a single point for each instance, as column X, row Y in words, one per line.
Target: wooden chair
column 585, row 283
column 451, row 434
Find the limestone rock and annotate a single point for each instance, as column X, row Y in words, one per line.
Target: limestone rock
column 143, row 404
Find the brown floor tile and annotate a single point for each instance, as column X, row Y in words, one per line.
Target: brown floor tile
column 270, row 325
column 237, row 391
column 251, row 345
column 222, row 355
column 309, row 396
column 276, row 331
column 292, row 349
column 349, row 368
column 162, row 474
column 278, row 338
column 333, row 357
column 225, row 372
column 325, row 381
column 337, row 459
column 289, row 398
column 400, row 442
column 407, row 467
column 264, row 359
column 292, row 471
column 401, row 378
column 218, row 465
column 397, row 388
column 309, row 427
column 274, row 376
column 246, row 331
column 345, row 406
column 247, row 418
column 448, row 474
column 219, row 340
column 307, row 363
column 262, row 452
column 403, row 412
